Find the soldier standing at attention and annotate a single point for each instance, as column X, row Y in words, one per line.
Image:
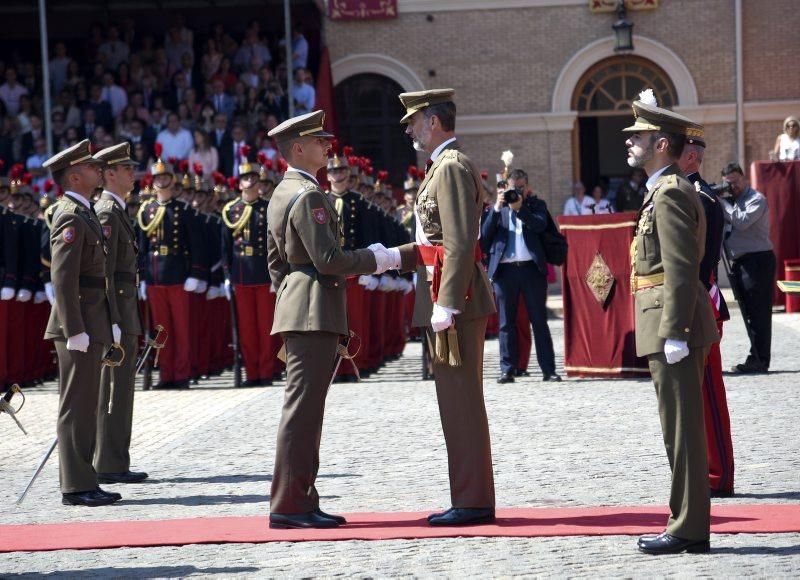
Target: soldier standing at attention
column 454, row 299
column 112, row 459
column 675, row 324
column 308, row 265
column 80, row 323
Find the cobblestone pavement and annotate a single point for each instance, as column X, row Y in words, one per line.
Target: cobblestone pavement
column 210, row 449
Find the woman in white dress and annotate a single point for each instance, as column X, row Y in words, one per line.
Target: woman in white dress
column 787, row 145
column 596, row 203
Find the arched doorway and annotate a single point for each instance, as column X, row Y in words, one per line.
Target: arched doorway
column 602, row 99
column 369, row 120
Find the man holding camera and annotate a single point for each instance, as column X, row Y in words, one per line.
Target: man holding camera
column 752, row 263
column 510, row 235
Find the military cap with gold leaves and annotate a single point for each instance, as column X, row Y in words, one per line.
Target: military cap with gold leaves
column 308, row 125
column 116, row 155
column 419, row 100
column 651, row 117
column 78, row 154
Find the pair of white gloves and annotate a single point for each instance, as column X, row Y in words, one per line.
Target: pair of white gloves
column 191, row 285
column 80, row 342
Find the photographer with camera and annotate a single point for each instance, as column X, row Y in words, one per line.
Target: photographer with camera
column 752, row 261
column 510, row 235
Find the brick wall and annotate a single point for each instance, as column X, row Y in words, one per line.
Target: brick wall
column 771, row 50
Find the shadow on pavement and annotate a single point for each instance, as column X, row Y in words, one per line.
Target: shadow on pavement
column 143, row 572
column 756, row 550
column 238, row 478
column 198, row 500
column 776, row 495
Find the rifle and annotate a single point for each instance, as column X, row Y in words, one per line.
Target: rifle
column 727, row 263
column 237, row 352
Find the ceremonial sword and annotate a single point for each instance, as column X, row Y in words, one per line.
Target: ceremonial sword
column 5, row 405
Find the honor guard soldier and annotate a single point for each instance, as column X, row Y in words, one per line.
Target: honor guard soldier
column 308, row 265
column 244, row 255
column 459, row 301
column 115, row 414
column 674, row 320
column 80, row 322
column 175, row 266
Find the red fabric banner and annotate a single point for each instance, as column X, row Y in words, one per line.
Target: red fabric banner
column 599, row 341
column 362, row 9
column 780, row 184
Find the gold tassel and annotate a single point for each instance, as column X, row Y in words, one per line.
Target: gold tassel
column 441, row 347
column 452, row 341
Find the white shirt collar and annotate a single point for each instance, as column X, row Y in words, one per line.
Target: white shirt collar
column 306, row 173
column 79, row 198
column 440, row 148
column 118, row 198
column 651, row 181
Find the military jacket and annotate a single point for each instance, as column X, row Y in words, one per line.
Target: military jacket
column 244, row 241
column 171, row 246
column 78, row 273
column 122, row 264
column 356, row 224
column 11, row 226
column 306, row 260
column 669, row 244
column 449, row 205
column 213, row 227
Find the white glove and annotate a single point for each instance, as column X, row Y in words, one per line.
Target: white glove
column 675, row 350
column 116, row 332
column 272, row 289
column 442, row 318
column 372, row 283
column 364, row 280
column 39, row 297
column 78, row 342
column 191, row 284
column 7, row 293
column 385, row 283
column 386, row 258
column 202, row 286
column 51, row 297
column 226, row 288
column 213, row 292
column 143, row 290
column 24, row 295
column 408, row 287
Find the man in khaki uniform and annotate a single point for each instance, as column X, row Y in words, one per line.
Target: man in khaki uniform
column 674, row 321
column 80, row 322
column 454, row 302
column 308, row 266
column 115, row 417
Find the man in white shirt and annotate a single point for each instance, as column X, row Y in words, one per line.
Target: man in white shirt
column 175, row 140
column 114, row 94
column 11, row 91
column 113, row 50
column 574, row 204
column 304, row 94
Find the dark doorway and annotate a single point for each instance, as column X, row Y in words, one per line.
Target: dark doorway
column 369, row 113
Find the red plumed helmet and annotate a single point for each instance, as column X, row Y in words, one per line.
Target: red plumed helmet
column 27, row 178
column 172, row 160
column 244, row 150
column 261, row 158
column 347, row 151
column 233, row 183
column 282, row 165
column 334, row 147
column 16, row 171
column 354, row 161
column 184, row 165
column 383, row 175
column 158, row 149
column 36, row 189
column 268, row 163
column 218, row 178
column 48, row 185
column 197, row 168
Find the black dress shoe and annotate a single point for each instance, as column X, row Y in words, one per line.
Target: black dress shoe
column 164, row 385
column 92, row 498
column 721, row 493
column 748, row 368
column 551, row 377
column 338, row 519
column 439, row 514
column 463, row 517
column 306, row 520
column 122, row 477
column 667, row 544
column 112, row 494
column 506, row 378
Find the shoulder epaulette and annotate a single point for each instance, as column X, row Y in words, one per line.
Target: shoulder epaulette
column 103, row 205
column 243, row 219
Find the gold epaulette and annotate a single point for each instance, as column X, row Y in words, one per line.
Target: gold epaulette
column 243, row 220
column 157, row 218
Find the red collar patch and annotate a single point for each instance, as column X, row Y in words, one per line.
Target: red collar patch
column 320, row 215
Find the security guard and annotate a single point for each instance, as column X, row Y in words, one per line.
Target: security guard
column 674, row 320
column 115, row 416
column 244, row 257
column 80, row 323
column 308, row 265
column 457, row 302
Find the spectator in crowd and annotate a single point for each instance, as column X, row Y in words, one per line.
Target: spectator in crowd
column 177, row 91
column 59, row 66
column 597, row 202
column 11, row 92
column 113, row 51
column 74, row 75
column 67, row 107
column 211, row 59
column 114, row 94
column 230, row 156
column 147, row 52
column 205, row 119
column 221, row 137
column 252, row 49
column 123, row 125
column 86, row 130
column 24, row 114
column 225, row 74
column 222, row 101
column 185, row 116
column 58, row 128
column 141, row 155
column 124, row 77
column 175, row 140
column 29, row 137
column 753, row 264
column 299, row 48
column 303, row 93
column 631, row 193
column 103, row 113
column 251, row 77
column 204, row 153
column 574, row 204
column 35, row 160
column 138, row 134
column 787, row 145
column 175, row 46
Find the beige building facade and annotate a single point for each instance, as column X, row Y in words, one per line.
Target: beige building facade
column 541, row 77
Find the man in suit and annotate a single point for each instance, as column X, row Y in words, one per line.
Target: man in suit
column 115, row 414
column 230, row 154
column 220, row 136
column 79, row 321
column 454, row 300
column 308, row 265
column 674, row 321
column 223, row 102
column 517, row 266
column 715, row 402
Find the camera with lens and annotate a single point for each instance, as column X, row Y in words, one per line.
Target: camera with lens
column 512, row 195
column 721, row 189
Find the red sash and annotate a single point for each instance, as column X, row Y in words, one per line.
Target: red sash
column 434, row 256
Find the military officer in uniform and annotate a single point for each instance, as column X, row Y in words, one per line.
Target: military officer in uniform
column 115, row 415
column 457, row 300
column 674, row 321
column 244, row 256
column 308, row 266
column 80, row 322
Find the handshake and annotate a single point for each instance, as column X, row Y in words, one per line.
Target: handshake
column 386, row 258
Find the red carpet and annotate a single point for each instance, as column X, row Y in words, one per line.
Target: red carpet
column 520, row 522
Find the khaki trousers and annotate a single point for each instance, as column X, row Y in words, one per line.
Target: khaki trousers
column 459, row 392
column 680, row 406
column 310, row 360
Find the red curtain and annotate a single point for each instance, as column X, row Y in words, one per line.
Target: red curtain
column 599, row 341
column 362, row 9
column 780, row 184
